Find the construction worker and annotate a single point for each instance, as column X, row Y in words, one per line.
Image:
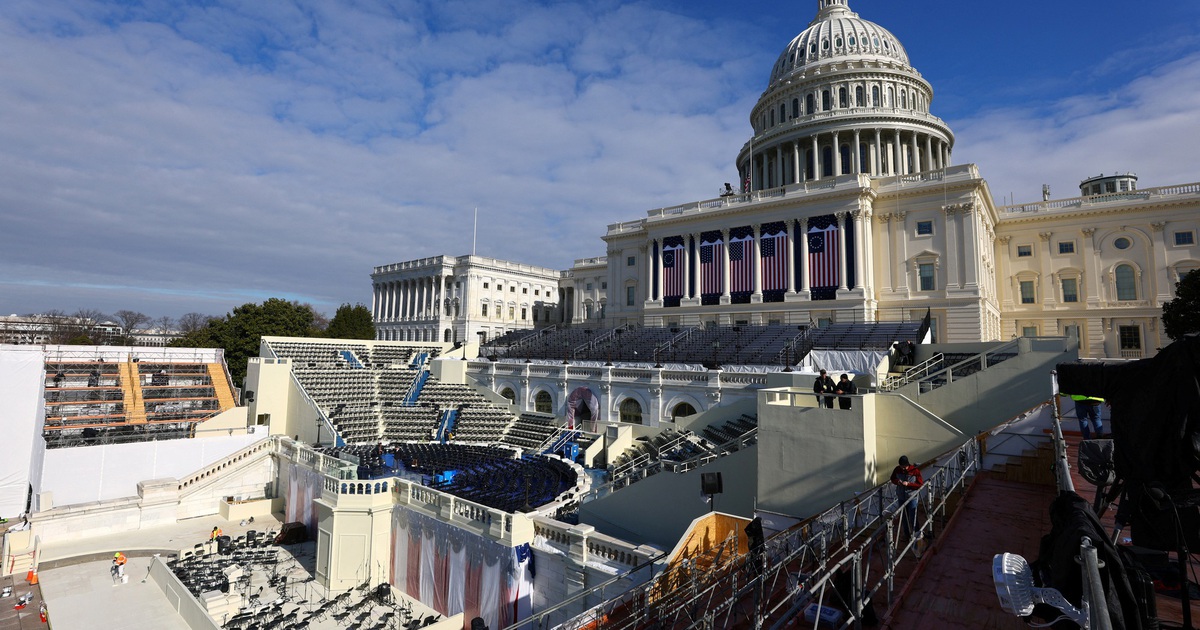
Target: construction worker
column 1087, row 410
column 119, row 561
column 215, row 532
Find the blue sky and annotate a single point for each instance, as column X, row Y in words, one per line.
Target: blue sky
column 170, row 157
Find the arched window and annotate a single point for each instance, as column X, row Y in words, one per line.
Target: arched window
column 508, row 393
column 772, row 123
column 826, row 161
column 682, row 410
column 810, row 104
column 1126, row 280
column 543, row 403
column 891, row 97
column 858, row 96
column 903, row 99
column 842, row 100
column 631, row 411
column 826, row 102
column 782, row 112
column 844, row 155
column 875, row 96
column 795, row 107
column 446, row 337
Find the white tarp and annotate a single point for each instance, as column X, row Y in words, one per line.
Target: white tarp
column 112, row 471
column 849, row 361
column 22, row 382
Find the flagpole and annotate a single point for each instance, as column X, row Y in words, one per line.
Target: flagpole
column 474, row 230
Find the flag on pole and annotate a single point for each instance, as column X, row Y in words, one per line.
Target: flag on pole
column 823, row 256
column 712, row 266
column 774, row 262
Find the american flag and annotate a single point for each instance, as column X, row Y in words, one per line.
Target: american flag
column 823, row 256
column 712, row 263
column 774, row 262
column 673, row 271
column 741, row 274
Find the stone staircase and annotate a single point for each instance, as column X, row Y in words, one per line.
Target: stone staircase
column 1033, row 465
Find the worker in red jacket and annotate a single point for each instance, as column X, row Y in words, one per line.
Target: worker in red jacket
column 907, row 479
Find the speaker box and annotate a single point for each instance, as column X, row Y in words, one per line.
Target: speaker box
column 710, row 483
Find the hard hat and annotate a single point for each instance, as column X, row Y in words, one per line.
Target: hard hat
column 117, row 555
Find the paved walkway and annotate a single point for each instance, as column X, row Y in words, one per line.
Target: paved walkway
column 84, row 597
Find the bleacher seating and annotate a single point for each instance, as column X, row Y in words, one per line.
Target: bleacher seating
column 531, row 429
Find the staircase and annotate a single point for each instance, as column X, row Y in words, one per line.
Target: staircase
column 221, row 386
column 131, row 391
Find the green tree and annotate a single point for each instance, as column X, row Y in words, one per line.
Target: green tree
column 1182, row 315
column 240, row 332
column 351, row 322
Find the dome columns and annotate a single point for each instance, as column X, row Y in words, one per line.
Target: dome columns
column 876, row 152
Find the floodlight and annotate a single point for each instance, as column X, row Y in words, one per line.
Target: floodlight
column 1018, row 595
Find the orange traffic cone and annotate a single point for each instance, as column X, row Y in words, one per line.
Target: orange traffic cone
column 29, row 577
column 33, row 577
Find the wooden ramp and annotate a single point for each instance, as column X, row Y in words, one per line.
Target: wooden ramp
column 131, row 388
column 221, row 386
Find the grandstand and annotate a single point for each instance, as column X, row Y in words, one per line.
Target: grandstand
column 713, row 345
column 115, row 394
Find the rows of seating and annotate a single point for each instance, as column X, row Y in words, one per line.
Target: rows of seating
column 481, row 423
column 531, row 429
column 865, row 336
column 731, row 430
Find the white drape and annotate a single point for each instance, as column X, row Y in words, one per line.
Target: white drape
column 457, row 581
column 489, row 593
column 428, row 581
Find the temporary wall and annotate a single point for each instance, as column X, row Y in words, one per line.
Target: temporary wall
column 111, row 471
column 22, row 377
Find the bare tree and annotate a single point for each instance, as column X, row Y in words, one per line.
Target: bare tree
column 57, row 325
column 87, row 321
column 131, row 322
column 164, row 323
column 191, row 322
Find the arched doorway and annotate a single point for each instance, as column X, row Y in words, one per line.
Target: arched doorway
column 682, row 410
column 631, row 411
column 582, row 401
column 543, row 403
column 508, row 393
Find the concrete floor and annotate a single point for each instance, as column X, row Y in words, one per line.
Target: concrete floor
column 85, row 596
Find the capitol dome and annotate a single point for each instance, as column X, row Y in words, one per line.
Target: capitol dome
column 842, row 99
column 837, row 32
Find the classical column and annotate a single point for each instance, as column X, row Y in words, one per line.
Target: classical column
column 1091, row 253
column 649, row 256
column 877, row 159
column 805, row 278
column 658, row 269
column 778, row 165
column 694, row 252
column 837, row 155
column 898, row 155
column 756, row 262
column 401, row 299
column 857, row 154
column 916, row 154
column 1158, row 255
column 791, row 256
column 816, row 160
column 795, row 162
column 971, row 240
column 954, row 249
column 860, row 253
column 725, row 266
column 929, row 153
column 841, row 219
column 884, row 251
column 683, row 257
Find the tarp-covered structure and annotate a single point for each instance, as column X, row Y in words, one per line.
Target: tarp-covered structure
column 1156, row 430
column 22, row 415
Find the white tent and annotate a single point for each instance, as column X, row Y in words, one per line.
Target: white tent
column 22, row 415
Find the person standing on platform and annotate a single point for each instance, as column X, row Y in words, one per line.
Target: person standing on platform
column 845, row 389
column 1087, row 410
column 907, row 479
column 824, row 385
column 119, row 561
column 215, row 533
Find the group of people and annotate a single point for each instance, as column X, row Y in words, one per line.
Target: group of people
column 844, row 388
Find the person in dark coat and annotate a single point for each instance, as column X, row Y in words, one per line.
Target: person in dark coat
column 907, row 479
column 845, row 388
column 824, row 385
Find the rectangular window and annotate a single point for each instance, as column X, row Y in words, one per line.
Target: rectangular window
column 631, row 261
column 1024, row 250
column 589, row 286
column 535, row 292
column 1185, row 238
column 485, row 285
column 924, row 227
column 630, row 294
column 925, row 271
column 511, row 312
column 524, row 316
column 1130, row 337
column 1027, row 292
column 1070, row 287
column 512, row 289
column 604, row 286
column 1110, row 187
column 1124, row 185
column 485, row 310
column 525, row 290
column 1066, row 247
column 1029, row 331
column 1071, row 330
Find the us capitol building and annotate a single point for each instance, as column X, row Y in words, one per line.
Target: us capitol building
column 848, row 208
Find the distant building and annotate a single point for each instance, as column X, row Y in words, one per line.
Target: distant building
column 50, row 329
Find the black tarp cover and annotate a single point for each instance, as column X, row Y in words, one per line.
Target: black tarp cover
column 1156, row 430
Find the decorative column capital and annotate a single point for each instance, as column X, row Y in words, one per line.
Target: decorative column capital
column 884, row 217
column 1045, row 236
column 1004, row 239
column 1158, row 226
column 1088, row 231
column 725, row 233
column 757, row 229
